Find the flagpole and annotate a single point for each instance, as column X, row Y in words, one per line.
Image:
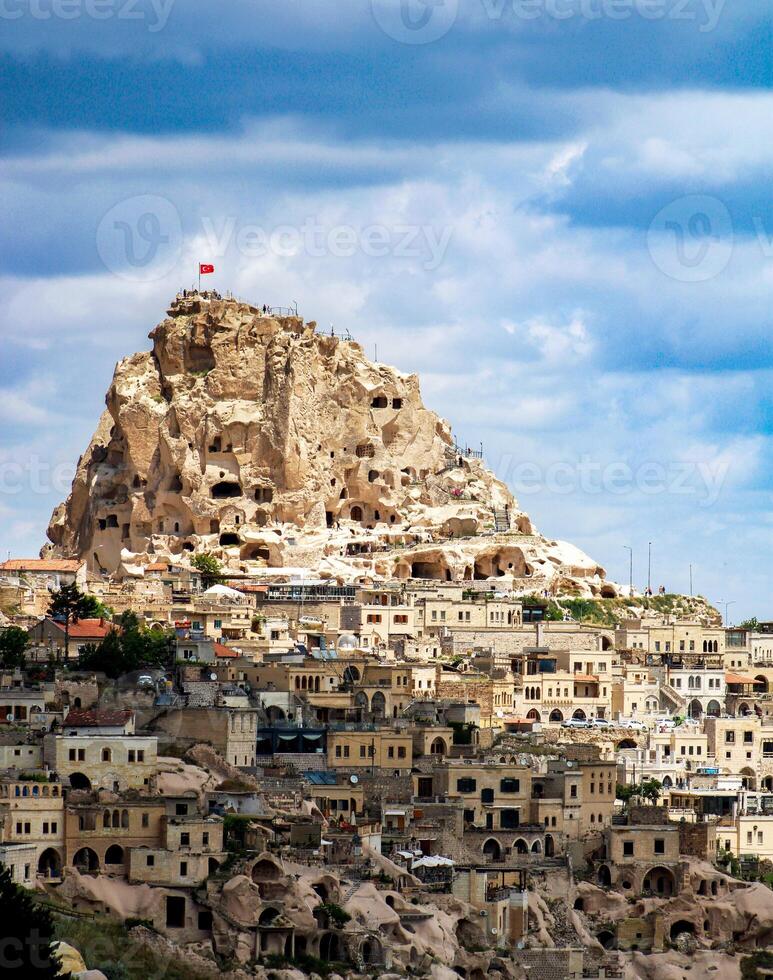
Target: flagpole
column 199, row 289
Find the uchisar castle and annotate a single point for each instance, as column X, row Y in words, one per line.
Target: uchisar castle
column 296, row 688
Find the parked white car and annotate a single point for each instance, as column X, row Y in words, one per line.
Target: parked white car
column 600, row 723
column 638, row 726
column 575, row 723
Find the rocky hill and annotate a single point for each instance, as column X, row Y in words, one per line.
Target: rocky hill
column 254, row 437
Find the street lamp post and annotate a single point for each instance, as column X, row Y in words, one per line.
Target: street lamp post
column 630, row 566
column 649, row 568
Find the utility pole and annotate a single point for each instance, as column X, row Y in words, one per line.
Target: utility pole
column 629, row 549
column 727, row 605
column 690, row 579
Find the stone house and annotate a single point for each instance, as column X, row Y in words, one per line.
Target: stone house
column 642, row 859
column 32, row 813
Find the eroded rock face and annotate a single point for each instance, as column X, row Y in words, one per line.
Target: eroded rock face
column 256, row 438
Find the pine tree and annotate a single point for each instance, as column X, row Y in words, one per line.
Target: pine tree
column 26, row 934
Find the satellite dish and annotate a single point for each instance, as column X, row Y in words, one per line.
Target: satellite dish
column 354, row 779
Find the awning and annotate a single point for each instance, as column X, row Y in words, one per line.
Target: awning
column 741, row 679
column 586, row 678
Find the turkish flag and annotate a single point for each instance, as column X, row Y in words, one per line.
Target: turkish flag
column 205, row 269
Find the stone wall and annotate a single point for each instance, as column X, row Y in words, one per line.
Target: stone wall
column 551, row 964
column 698, row 840
column 652, row 816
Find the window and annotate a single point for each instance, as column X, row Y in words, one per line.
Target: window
column 748, row 737
column 509, row 785
column 145, row 819
column 401, row 752
column 391, row 752
column 362, row 752
column 181, row 809
column 150, row 860
column 140, row 755
column 659, row 845
column 657, row 646
column 185, row 840
column 131, row 755
column 218, row 624
column 71, row 755
column 346, row 752
column 53, row 827
column 466, row 785
column 628, row 848
column 729, row 738
column 205, row 839
column 45, row 827
column 338, row 751
column 183, row 869
column 81, row 755
column 573, row 790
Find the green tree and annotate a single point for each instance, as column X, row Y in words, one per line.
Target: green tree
column 69, row 604
column 209, row 567
column 627, row 793
column 13, row 643
column 750, row 624
column 128, row 647
column 650, row 790
column 26, row 935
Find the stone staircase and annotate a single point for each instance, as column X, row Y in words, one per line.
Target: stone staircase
column 349, row 892
column 672, row 698
column 501, row 520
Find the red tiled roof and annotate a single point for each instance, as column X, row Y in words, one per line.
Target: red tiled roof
column 41, row 565
column 223, row 651
column 585, row 678
column 97, row 717
column 87, row 628
column 157, row 566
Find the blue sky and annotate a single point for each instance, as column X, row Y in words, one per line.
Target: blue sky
column 557, row 211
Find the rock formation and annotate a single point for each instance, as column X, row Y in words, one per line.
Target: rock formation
column 254, row 437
